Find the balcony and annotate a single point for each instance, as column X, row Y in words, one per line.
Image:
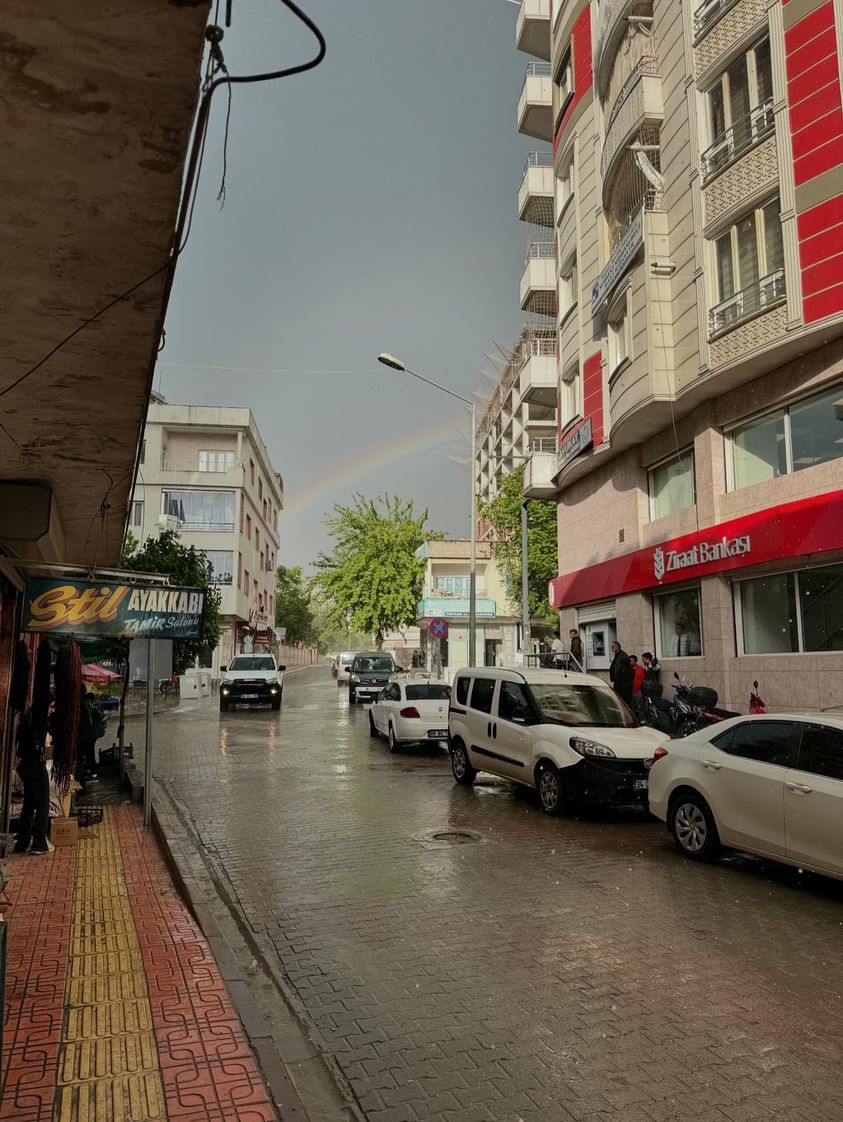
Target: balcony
column 708, row 13
column 744, row 134
column 535, row 195
column 613, row 18
column 754, row 300
column 535, row 116
column 638, row 104
column 538, row 475
column 537, row 380
column 455, row 607
column 532, row 28
column 538, row 282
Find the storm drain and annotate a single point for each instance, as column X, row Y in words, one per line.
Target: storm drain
column 444, row 839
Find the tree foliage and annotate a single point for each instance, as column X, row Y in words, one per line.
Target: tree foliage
column 185, row 566
column 293, row 608
column 504, row 512
column 373, row 580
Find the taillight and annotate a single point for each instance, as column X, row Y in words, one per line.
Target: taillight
column 410, row 711
column 659, row 754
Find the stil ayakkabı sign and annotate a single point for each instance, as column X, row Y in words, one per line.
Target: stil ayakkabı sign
column 121, row 610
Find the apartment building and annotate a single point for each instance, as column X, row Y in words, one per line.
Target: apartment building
column 206, row 474
column 698, row 203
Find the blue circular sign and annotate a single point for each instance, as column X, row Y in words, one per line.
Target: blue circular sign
column 439, row 628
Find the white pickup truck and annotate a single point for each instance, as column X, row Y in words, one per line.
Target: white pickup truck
column 252, row 679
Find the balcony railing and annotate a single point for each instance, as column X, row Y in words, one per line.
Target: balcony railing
column 455, row 607
column 193, row 465
column 708, row 13
column 222, row 578
column 744, row 134
column 212, row 527
column 538, row 347
column 752, row 301
column 538, row 160
column 539, row 250
column 543, row 444
column 538, row 69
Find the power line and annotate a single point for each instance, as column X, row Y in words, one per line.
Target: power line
column 270, row 370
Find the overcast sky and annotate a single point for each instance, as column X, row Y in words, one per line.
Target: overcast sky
column 370, row 205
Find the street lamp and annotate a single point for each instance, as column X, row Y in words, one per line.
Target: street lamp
column 396, row 364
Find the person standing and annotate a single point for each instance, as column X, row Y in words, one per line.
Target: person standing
column 652, row 667
column 638, row 675
column 575, row 644
column 620, row 673
column 32, row 770
column 557, row 651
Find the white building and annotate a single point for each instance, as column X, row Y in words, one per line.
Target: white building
column 205, row 473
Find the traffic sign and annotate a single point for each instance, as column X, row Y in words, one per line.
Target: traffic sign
column 439, row 628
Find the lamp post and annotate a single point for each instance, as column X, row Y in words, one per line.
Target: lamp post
column 396, row 364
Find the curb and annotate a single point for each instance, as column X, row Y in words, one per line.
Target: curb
column 304, row 1080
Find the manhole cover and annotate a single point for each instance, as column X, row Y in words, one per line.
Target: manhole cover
column 441, row 839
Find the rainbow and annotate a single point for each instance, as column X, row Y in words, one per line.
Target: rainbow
column 395, row 449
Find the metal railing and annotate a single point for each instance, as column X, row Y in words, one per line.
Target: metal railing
column 562, row 662
column 543, row 444
column 538, row 160
column 744, row 134
column 538, row 69
column 213, row 527
column 222, row 578
column 539, row 250
column 538, row 347
column 647, row 66
column 193, row 465
column 766, row 293
column 708, row 12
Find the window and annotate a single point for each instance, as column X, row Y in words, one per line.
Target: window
column 258, row 540
column 252, row 472
column 565, row 189
column 213, row 460
column 564, row 79
column 482, row 693
column 678, row 624
column 821, row 751
column 749, row 268
column 740, row 107
column 200, row 510
column 570, row 395
column 462, row 690
column 672, row 485
column 246, row 583
column 142, row 458
column 137, row 515
column 248, row 527
column 222, row 563
column 618, row 336
column 428, row 692
column 239, row 569
column 789, row 613
column 453, row 586
column 567, row 289
column 260, row 488
column 769, row 742
column 512, row 703
column 808, row 433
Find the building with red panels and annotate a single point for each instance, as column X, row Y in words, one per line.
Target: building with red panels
column 698, row 199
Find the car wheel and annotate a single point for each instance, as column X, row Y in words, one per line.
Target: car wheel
column 373, row 731
column 393, row 741
column 549, row 787
column 461, row 765
column 693, row 827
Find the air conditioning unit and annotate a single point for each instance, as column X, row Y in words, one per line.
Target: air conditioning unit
column 168, row 523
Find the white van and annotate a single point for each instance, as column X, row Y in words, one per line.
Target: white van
column 567, row 735
column 344, row 661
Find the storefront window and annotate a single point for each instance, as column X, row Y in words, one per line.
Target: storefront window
column 678, row 623
column 758, row 451
column 768, row 614
column 786, row 613
column 816, row 429
column 672, row 485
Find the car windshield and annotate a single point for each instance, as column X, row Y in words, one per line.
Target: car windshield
column 428, row 692
column 570, row 704
column 252, row 662
column 379, row 663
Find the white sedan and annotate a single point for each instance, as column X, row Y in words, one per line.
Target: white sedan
column 770, row 785
column 409, row 710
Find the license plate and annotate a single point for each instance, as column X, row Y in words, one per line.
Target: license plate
column 438, row 734
column 639, row 784
column 249, row 696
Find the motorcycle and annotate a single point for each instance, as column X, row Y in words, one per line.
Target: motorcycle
column 667, row 716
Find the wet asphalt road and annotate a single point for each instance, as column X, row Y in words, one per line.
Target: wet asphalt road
column 553, row 969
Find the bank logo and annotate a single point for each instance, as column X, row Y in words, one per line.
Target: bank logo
column 658, row 564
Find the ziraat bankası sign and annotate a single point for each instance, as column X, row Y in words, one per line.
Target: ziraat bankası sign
column 115, row 608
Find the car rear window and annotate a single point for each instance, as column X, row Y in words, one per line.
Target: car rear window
column 252, row 662
column 428, row 693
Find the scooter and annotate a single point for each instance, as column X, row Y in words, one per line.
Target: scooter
column 667, row 716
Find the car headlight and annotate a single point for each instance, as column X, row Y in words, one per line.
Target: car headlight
column 355, row 677
column 225, row 689
column 273, row 689
column 590, row 747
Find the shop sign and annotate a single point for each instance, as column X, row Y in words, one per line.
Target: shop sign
column 798, row 529
column 113, row 608
column 577, row 443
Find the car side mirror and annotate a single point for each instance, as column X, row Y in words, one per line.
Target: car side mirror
column 223, row 669
column 282, row 668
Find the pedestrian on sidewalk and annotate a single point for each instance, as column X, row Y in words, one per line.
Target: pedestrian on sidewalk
column 33, row 774
column 575, row 644
column 620, row 673
column 638, row 674
column 652, row 667
column 557, row 651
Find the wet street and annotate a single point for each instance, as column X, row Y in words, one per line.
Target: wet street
column 526, row 968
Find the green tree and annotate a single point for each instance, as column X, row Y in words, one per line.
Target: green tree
column 372, row 580
column 293, row 608
column 190, row 568
column 504, row 513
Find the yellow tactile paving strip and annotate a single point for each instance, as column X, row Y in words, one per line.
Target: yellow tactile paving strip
column 108, row 1067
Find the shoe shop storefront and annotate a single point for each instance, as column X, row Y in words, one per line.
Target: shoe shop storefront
column 759, row 596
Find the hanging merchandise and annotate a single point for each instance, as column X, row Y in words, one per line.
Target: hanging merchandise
column 66, row 719
column 41, row 687
column 20, row 679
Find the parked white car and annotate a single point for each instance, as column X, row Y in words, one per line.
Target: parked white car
column 770, row 785
column 345, row 660
column 410, row 709
column 567, row 735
